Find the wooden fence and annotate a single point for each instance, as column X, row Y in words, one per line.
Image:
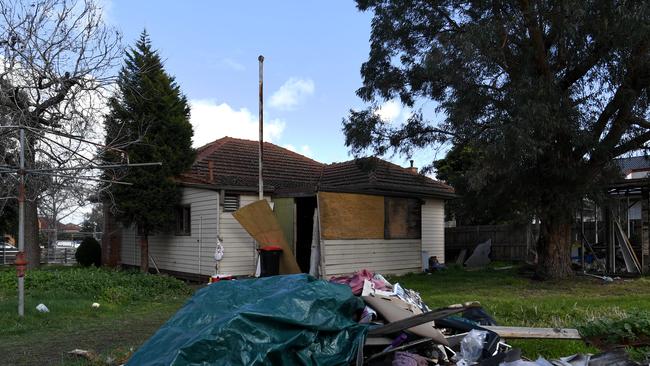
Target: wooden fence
column 509, row 242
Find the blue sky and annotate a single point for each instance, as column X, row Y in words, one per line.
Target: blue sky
column 313, row 52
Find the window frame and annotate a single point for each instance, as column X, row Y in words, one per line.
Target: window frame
column 183, row 216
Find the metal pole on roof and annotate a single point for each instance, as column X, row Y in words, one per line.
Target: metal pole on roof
column 261, row 149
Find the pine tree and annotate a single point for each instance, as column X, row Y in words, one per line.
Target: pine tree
column 148, row 108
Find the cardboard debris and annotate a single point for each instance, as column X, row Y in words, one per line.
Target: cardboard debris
column 395, row 309
column 259, row 221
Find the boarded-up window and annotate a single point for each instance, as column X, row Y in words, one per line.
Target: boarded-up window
column 351, row 216
column 403, row 218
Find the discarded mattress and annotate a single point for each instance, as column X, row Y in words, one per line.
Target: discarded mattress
column 279, row 320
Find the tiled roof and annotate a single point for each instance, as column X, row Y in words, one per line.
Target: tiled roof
column 633, row 163
column 234, row 165
column 374, row 175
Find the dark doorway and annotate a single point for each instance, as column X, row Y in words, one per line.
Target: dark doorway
column 305, row 207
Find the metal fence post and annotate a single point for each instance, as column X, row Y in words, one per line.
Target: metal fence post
column 65, row 256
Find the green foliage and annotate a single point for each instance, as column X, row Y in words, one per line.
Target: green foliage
column 133, row 306
column 548, row 93
column 619, row 330
column 150, row 110
column 89, row 252
column 478, row 204
column 95, row 284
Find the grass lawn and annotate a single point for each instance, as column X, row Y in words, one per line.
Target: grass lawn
column 132, row 307
column 516, row 300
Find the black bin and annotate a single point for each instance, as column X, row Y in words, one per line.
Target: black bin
column 270, row 261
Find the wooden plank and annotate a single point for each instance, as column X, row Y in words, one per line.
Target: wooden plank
column 260, row 222
column 534, row 333
column 351, row 216
column 631, row 261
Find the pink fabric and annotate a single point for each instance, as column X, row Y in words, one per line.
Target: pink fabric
column 355, row 281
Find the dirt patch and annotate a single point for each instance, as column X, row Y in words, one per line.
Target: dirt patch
column 51, row 348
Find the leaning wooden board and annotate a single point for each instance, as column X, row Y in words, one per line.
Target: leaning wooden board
column 534, row 333
column 260, row 222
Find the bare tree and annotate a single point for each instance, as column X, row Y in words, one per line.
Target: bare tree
column 62, row 198
column 57, row 59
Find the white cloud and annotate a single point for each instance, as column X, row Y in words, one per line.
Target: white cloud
column 304, row 149
column 291, row 93
column 392, row 111
column 229, row 63
column 212, row 121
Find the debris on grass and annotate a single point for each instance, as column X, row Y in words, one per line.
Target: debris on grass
column 373, row 322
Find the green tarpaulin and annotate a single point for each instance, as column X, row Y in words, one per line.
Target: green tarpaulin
column 280, row 320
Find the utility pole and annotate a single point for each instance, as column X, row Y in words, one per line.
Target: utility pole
column 261, row 103
column 21, row 263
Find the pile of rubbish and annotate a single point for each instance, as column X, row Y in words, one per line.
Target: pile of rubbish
column 360, row 319
column 404, row 331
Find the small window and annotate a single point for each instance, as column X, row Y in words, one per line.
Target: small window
column 230, row 202
column 183, row 220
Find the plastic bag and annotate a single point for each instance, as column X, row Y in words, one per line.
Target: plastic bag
column 471, row 347
column 42, row 308
column 540, row 362
column 218, row 251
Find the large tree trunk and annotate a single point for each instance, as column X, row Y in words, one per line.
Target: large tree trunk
column 32, row 248
column 32, row 245
column 554, row 248
column 144, row 253
column 111, row 238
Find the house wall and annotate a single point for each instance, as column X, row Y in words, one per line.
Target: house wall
column 395, row 256
column 433, row 228
column 194, row 253
column 239, row 247
column 182, row 253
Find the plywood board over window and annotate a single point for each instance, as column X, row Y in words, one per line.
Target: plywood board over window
column 403, row 218
column 351, row 216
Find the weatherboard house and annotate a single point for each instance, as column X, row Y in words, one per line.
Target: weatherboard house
column 363, row 213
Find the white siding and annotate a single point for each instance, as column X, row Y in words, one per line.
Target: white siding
column 181, row 253
column 396, row 256
column 130, row 252
column 239, row 247
column 191, row 253
column 433, row 228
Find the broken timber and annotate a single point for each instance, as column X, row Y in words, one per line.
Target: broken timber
column 416, row 320
column 534, row 333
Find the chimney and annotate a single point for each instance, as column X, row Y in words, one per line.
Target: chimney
column 412, row 169
column 210, row 172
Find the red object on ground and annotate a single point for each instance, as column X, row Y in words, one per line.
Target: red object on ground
column 271, row 247
column 218, row 278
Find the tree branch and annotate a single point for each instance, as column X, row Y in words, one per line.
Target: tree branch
column 579, row 70
column 537, row 40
